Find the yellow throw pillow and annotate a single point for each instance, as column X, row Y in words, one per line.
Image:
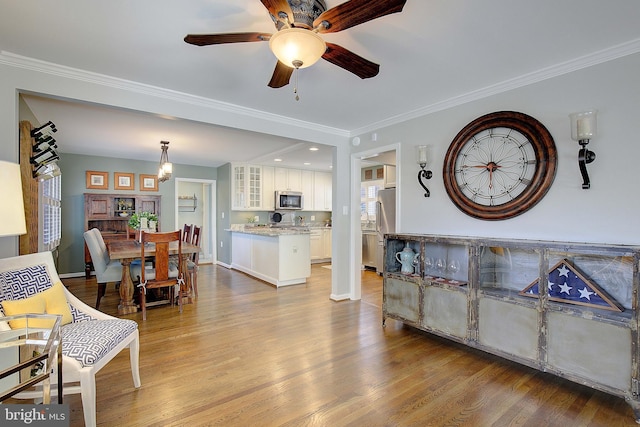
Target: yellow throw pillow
column 56, row 303
column 35, row 304
column 51, row 301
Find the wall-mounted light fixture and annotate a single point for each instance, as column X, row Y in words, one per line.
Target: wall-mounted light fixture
column 421, row 151
column 584, row 128
column 166, row 168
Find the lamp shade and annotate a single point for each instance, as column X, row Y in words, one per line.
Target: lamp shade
column 296, row 44
column 12, row 221
column 421, row 153
column 584, row 125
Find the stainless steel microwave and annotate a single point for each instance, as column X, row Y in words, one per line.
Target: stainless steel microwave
column 291, row 200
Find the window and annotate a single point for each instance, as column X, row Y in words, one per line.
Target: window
column 368, row 195
column 49, row 192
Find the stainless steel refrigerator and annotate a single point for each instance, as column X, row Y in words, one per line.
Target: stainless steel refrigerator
column 385, row 221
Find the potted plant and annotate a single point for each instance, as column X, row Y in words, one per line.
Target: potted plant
column 146, row 221
column 137, row 218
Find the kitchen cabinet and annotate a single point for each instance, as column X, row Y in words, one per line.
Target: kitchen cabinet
column 268, row 188
column 288, row 179
column 322, row 191
column 320, row 244
column 306, row 180
column 316, row 244
column 253, row 187
column 246, row 187
column 386, row 173
column 281, row 259
column 569, row 309
column 389, row 176
column 326, row 243
column 110, row 214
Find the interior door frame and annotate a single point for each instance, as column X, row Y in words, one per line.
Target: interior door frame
column 355, row 226
column 212, row 212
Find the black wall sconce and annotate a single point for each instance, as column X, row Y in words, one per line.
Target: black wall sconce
column 584, row 128
column 422, row 173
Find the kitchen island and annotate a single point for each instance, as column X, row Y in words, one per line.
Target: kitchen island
column 276, row 255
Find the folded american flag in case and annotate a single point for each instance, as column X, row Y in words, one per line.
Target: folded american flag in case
column 568, row 285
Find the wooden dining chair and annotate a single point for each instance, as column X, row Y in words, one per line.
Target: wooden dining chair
column 192, row 262
column 164, row 274
column 186, row 233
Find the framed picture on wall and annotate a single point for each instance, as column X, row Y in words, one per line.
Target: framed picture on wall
column 123, row 181
column 97, row 180
column 148, row 182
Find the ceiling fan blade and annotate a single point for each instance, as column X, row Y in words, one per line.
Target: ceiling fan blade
column 355, row 12
column 276, row 6
column 351, row 62
column 281, row 75
column 208, row 39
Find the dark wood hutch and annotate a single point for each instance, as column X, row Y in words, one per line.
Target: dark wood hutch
column 110, row 214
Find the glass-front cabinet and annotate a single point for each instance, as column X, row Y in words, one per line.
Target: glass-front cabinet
column 565, row 308
column 246, row 187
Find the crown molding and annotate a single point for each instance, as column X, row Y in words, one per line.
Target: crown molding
column 624, row 49
column 32, row 64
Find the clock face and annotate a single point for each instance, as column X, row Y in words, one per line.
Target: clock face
column 500, row 165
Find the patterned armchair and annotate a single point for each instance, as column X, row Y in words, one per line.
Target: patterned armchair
column 90, row 338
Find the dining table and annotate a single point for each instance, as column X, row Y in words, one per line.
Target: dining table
column 127, row 251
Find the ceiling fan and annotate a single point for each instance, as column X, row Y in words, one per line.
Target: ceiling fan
column 297, row 43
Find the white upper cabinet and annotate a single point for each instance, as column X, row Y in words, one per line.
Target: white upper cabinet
column 322, row 191
column 268, row 188
column 253, row 187
column 288, row 179
column 307, row 190
column 246, row 187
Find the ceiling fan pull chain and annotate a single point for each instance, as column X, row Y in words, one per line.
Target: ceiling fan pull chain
column 295, row 89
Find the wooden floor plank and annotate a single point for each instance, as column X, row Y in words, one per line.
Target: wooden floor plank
column 246, row 353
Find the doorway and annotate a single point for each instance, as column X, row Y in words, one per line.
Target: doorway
column 196, row 204
column 364, row 207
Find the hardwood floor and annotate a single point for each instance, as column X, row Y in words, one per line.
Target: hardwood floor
column 248, row 354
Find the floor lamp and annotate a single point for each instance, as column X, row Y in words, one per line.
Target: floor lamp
column 12, row 220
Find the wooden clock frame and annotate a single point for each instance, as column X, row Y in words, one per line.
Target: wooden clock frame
column 545, row 166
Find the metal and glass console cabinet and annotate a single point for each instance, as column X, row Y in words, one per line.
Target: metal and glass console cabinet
column 582, row 324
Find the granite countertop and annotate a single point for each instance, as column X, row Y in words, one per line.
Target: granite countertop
column 270, row 231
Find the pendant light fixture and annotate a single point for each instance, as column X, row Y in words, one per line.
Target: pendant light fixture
column 166, row 168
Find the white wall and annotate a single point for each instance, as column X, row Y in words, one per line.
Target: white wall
column 605, row 213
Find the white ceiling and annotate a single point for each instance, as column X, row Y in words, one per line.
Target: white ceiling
column 434, row 54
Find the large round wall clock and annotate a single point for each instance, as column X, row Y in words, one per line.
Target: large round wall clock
column 500, row 165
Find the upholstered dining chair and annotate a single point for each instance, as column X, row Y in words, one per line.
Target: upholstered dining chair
column 163, row 274
column 193, row 260
column 106, row 270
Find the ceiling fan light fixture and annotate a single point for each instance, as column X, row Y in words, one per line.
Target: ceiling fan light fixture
column 293, row 46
